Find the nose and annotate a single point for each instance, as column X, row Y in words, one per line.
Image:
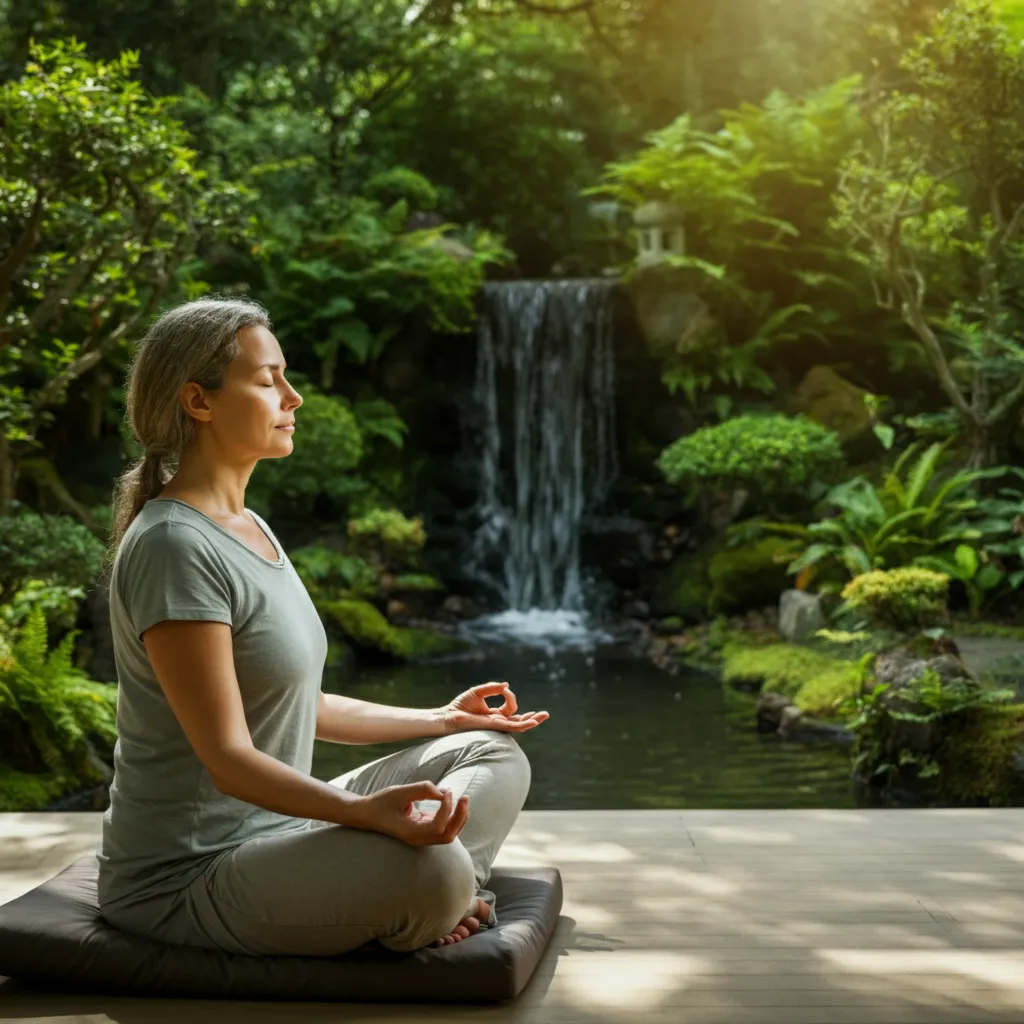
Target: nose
column 294, row 399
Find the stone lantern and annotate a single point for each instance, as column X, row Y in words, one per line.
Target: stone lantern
column 660, row 232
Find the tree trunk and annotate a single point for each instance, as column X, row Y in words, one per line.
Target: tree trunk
column 8, row 473
column 981, row 455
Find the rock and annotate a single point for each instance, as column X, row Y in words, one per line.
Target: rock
column 749, row 576
column 619, row 548
column 637, row 610
column 397, row 610
column 900, row 668
column 770, row 709
column 800, row 616
column 461, row 607
column 670, row 314
column 831, row 400
column 370, row 633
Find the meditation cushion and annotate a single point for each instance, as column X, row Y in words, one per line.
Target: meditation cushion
column 55, row 937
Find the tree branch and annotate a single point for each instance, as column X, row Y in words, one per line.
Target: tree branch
column 20, row 251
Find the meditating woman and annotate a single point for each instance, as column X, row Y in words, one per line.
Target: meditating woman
column 217, row 834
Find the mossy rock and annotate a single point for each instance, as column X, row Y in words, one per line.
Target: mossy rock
column 984, row 760
column 833, row 402
column 24, row 791
column 682, row 590
column 815, row 682
column 369, row 631
column 751, row 576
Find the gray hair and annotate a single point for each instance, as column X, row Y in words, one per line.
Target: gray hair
column 196, row 342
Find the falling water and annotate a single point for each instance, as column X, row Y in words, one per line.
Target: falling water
column 545, row 385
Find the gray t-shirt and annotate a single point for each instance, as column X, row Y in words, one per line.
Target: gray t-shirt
column 167, row 820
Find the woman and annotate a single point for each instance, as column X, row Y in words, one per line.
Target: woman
column 217, row 835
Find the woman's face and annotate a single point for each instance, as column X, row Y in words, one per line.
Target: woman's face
column 253, row 415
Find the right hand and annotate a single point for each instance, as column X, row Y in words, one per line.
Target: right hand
column 392, row 812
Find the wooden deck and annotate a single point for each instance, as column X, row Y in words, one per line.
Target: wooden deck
column 694, row 917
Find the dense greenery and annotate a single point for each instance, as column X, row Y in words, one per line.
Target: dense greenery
column 849, row 175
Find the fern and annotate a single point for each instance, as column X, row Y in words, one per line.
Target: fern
column 56, row 704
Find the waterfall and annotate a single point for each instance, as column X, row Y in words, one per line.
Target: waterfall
column 545, row 391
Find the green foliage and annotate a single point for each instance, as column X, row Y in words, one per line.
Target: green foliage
column 764, row 454
column 933, row 728
column 326, row 571
column 757, row 199
column 915, row 512
column 55, row 551
column 397, row 537
column 328, row 447
column 816, row 682
column 934, row 211
column 59, row 604
column 103, row 201
column 50, row 712
column 748, row 575
column 348, row 277
column 902, row 599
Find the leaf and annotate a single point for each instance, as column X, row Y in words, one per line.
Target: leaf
column 885, row 434
column 966, row 559
column 355, row 336
column 340, row 305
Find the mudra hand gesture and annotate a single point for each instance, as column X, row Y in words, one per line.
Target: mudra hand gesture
column 470, row 710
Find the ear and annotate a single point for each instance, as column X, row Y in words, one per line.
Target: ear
column 193, row 400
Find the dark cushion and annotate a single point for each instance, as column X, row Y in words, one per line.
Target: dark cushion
column 55, row 937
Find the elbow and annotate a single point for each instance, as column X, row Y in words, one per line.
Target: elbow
column 229, row 769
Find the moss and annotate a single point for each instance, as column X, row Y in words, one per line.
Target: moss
column 21, row 791
column 683, row 589
column 978, row 760
column 815, row 682
column 750, row 576
column 368, row 630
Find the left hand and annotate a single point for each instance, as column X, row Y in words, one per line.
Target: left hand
column 470, row 710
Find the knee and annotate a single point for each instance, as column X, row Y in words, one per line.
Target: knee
column 440, row 886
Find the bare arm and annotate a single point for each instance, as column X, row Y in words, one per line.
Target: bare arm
column 194, row 664
column 347, row 720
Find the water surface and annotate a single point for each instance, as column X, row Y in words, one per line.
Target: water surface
column 622, row 733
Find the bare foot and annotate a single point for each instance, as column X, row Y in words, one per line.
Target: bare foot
column 469, row 925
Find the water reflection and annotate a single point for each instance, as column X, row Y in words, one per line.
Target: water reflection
column 622, row 734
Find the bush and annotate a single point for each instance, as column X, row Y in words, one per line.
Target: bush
column 55, row 550
column 323, row 570
column 397, row 537
column 765, row 454
column 51, row 713
column 328, row 445
column 903, row 599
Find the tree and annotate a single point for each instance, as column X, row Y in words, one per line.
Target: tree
column 934, row 206
column 103, row 202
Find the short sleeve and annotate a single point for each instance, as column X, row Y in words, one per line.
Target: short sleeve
column 173, row 573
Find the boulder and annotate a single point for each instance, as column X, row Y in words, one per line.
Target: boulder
column 682, row 589
column 671, row 315
column 749, row 576
column 800, row 616
column 831, row 400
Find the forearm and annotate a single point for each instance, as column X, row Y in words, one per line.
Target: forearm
column 347, row 720
column 259, row 779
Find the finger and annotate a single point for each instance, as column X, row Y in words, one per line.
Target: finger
column 511, row 705
column 444, row 813
column 459, row 817
column 489, row 689
column 413, row 791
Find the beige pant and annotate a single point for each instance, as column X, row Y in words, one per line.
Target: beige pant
column 326, row 889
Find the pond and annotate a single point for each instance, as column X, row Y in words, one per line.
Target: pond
column 622, row 733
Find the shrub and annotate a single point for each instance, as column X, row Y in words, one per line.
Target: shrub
column 56, row 550
column 397, row 537
column 765, row 454
column 908, row 598
column 328, row 445
column 323, row 570
column 51, row 713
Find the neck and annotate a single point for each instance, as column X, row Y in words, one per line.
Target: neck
column 215, row 488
